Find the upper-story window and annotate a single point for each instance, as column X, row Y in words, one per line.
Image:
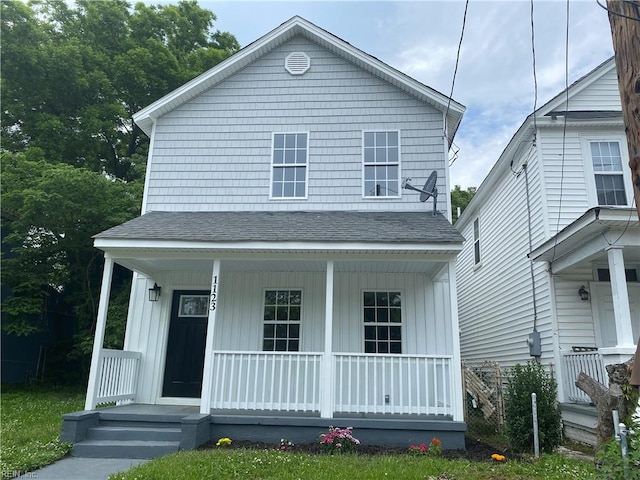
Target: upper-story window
column 289, row 167
column 381, row 164
column 606, row 159
column 476, row 242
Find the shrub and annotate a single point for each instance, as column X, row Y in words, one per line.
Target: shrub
column 522, row 382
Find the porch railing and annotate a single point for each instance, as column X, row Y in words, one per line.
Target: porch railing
column 283, row 381
column 396, row 384
column 590, row 363
column 393, row 384
column 117, row 376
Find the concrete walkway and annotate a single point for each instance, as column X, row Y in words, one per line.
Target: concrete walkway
column 75, row 468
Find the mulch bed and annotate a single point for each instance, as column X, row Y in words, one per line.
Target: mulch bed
column 475, row 450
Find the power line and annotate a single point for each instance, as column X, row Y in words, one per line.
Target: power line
column 535, row 78
column 564, row 133
column 455, row 71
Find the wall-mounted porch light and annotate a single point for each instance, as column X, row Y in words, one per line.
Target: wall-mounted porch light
column 584, row 293
column 154, row 292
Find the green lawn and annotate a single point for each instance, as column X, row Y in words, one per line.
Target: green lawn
column 31, row 418
column 276, row 465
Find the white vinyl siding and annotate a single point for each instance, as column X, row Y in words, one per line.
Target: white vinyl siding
column 381, row 164
column 289, row 165
column 495, row 302
column 214, row 153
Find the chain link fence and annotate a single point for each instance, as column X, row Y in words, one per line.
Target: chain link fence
column 484, row 386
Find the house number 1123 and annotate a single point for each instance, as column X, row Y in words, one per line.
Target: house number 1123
column 214, row 293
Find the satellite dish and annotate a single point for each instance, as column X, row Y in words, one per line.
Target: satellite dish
column 429, row 189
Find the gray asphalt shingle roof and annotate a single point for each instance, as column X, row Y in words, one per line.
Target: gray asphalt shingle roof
column 339, row 226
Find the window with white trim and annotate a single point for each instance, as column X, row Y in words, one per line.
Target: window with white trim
column 381, row 164
column 606, row 159
column 382, row 314
column 289, row 165
column 476, row 242
column 282, row 311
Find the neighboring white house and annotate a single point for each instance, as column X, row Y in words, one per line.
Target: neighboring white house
column 298, row 281
column 553, row 246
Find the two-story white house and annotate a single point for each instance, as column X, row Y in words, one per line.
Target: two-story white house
column 284, row 281
column 551, row 262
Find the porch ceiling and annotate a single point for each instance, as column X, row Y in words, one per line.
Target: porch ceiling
column 153, row 266
column 588, row 238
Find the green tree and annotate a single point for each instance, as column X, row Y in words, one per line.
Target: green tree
column 51, row 211
column 460, row 198
column 72, row 76
column 73, row 161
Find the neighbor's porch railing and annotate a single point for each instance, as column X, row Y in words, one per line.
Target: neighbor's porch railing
column 362, row 383
column 393, row 384
column 282, row 381
column 590, row 363
column 117, row 376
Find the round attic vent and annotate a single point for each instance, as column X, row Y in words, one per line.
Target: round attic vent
column 297, row 63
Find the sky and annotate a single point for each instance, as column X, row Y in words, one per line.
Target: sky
column 494, row 80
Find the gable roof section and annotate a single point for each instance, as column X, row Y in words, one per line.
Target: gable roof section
column 523, row 137
column 312, row 227
column 291, row 28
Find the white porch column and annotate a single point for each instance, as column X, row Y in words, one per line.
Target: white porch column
column 98, row 339
column 326, row 400
column 621, row 312
column 207, row 372
column 458, row 412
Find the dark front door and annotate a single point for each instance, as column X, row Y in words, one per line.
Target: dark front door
column 185, row 347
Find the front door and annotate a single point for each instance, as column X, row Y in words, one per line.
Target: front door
column 186, row 344
column 603, row 314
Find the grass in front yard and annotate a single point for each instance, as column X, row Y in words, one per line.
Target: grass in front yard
column 31, row 418
column 276, row 465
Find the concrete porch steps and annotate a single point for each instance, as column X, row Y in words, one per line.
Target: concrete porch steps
column 123, row 448
column 129, row 441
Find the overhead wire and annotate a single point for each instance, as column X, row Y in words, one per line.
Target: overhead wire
column 564, row 135
column 455, row 70
column 526, row 170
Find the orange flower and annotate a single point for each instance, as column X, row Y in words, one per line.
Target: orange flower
column 498, row 457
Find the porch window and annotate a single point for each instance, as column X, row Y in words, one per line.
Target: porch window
column 607, row 168
column 382, row 313
column 290, row 161
column 381, row 164
column 282, row 320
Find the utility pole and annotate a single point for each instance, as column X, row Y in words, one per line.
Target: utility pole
column 624, row 19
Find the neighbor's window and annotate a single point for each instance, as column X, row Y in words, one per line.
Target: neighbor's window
column 290, row 161
column 382, row 313
column 282, row 320
column 476, row 241
column 607, row 168
column 381, row 163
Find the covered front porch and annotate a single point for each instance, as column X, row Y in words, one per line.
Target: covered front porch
column 309, row 330
column 594, row 268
